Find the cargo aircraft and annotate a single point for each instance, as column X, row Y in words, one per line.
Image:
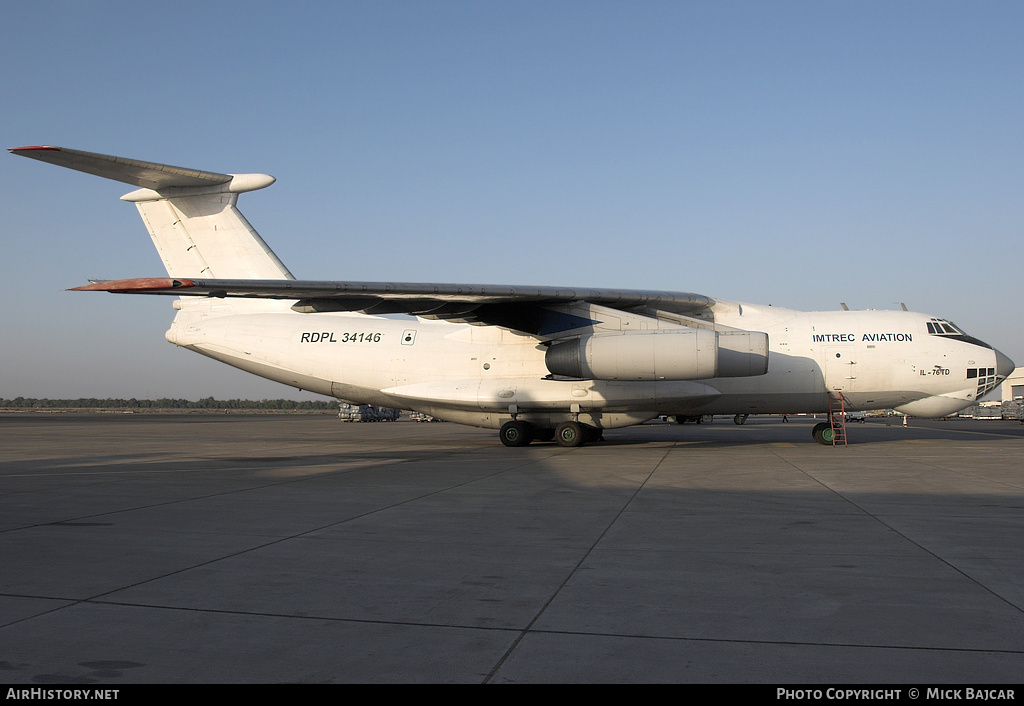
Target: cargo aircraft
column 535, row 362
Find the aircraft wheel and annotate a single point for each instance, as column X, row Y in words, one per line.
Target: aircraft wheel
column 740, row 418
column 516, row 433
column 570, row 434
column 591, row 434
column 823, row 433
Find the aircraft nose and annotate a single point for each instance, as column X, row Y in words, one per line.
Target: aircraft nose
column 1004, row 366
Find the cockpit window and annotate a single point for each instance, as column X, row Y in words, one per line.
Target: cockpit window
column 947, row 329
column 938, row 327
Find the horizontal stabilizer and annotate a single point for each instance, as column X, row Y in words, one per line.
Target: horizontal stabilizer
column 149, row 175
column 190, row 214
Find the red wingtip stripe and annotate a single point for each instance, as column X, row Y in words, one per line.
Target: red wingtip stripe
column 143, row 284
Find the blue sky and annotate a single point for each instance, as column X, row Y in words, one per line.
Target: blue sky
column 799, row 154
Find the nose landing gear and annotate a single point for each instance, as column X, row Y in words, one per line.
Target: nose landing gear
column 824, row 434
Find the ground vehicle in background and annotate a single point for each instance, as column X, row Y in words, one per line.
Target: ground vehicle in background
column 366, row 413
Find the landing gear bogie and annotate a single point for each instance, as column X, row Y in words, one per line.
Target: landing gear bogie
column 516, row 433
column 570, row 434
column 519, row 433
column 544, row 434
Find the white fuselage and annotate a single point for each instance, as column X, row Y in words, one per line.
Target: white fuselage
column 593, row 358
column 483, row 375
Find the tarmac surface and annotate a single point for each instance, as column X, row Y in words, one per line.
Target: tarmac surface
column 296, row 548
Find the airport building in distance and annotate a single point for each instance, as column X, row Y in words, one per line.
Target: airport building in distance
column 1013, row 386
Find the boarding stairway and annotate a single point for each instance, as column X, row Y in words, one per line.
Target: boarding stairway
column 837, row 417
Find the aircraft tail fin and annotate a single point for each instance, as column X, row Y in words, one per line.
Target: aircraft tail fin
column 190, row 214
column 205, row 235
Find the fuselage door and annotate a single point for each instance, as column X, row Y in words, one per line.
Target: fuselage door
column 840, row 369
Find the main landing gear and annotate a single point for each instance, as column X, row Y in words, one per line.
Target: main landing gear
column 516, row 433
column 520, row 433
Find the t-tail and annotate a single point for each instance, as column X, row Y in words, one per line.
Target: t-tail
column 190, row 213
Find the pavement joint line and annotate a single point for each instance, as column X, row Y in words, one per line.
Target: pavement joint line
column 572, row 572
column 542, row 631
column 278, row 540
column 878, row 518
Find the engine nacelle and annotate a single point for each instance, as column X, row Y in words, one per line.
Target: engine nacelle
column 662, row 354
column 742, row 354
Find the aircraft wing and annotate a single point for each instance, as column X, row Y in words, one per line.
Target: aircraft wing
column 522, row 308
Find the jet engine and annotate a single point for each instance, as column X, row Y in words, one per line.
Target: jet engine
column 662, row 354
